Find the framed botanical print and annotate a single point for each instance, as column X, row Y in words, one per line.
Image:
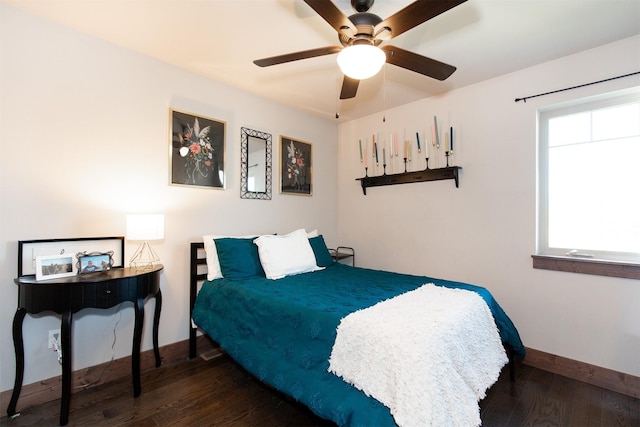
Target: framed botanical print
column 197, row 150
column 295, row 167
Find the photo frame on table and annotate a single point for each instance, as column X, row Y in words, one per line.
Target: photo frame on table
column 55, row 266
column 197, row 150
column 296, row 175
column 30, row 250
column 94, row 262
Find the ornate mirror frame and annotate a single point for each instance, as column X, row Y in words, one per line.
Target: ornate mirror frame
column 260, row 159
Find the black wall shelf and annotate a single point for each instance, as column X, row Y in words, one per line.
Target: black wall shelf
column 449, row 172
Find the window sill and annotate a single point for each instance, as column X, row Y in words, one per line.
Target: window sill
column 587, row 266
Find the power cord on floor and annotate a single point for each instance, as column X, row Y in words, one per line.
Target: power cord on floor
column 113, row 344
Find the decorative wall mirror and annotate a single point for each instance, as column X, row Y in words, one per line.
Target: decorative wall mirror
column 255, row 164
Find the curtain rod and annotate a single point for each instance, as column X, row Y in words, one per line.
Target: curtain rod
column 575, row 87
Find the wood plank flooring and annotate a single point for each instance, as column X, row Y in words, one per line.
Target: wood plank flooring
column 220, row 393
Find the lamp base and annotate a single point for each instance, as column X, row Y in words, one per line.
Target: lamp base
column 144, row 257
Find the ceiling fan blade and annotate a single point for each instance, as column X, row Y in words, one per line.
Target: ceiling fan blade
column 418, row 63
column 295, row 56
column 349, row 88
column 330, row 13
column 415, row 14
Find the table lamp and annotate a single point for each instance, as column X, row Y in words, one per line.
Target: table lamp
column 145, row 227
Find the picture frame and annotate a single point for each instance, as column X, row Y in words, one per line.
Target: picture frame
column 296, row 172
column 94, row 262
column 54, row 266
column 197, row 150
column 30, row 250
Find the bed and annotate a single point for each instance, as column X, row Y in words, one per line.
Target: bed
column 283, row 331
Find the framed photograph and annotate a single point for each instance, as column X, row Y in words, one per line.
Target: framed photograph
column 295, row 167
column 197, row 150
column 30, row 250
column 54, row 266
column 94, row 262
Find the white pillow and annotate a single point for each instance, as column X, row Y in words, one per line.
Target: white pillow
column 282, row 256
column 213, row 265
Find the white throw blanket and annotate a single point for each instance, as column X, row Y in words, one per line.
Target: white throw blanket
column 429, row 355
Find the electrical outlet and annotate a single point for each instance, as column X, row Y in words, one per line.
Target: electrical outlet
column 54, row 337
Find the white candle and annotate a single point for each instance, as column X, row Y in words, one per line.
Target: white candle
column 426, row 149
column 395, row 143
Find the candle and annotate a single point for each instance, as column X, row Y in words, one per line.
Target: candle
column 435, row 125
column 433, row 136
column 360, row 142
column 366, row 161
column 418, row 141
column 384, row 156
column 373, row 145
column 406, row 150
column 376, row 148
column 446, row 142
column 426, row 150
column 409, row 149
column 451, row 139
column 390, row 145
column 395, row 143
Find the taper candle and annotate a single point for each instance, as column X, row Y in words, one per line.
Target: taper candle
column 391, row 145
column 435, row 125
column 375, row 145
column 451, row 139
column 360, row 143
column 426, row 149
column 395, row 143
column 418, row 141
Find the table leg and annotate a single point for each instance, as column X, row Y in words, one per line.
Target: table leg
column 65, row 334
column 156, row 325
column 135, row 353
column 18, row 347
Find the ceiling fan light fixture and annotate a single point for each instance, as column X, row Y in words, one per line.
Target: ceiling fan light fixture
column 361, row 61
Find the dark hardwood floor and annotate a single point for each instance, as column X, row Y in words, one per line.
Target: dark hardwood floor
column 219, row 392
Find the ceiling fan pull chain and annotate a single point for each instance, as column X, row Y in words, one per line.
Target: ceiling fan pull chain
column 384, row 95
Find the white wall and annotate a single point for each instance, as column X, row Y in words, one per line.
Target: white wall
column 484, row 232
column 85, row 141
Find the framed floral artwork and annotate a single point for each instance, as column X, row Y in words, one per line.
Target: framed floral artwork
column 197, row 150
column 295, row 167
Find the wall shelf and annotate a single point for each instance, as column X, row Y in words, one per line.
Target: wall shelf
column 449, row 172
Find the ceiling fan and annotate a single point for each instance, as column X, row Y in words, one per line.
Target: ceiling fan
column 361, row 35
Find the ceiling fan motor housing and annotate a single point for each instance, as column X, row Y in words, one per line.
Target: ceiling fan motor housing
column 365, row 24
column 361, row 5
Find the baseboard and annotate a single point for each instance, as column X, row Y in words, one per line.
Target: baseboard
column 606, row 378
column 50, row 389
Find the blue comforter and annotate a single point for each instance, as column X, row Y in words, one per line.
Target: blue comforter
column 283, row 331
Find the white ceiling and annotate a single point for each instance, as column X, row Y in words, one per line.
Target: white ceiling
column 219, row 39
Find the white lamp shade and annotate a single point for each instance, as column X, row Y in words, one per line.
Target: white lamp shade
column 145, row 227
column 361, row 61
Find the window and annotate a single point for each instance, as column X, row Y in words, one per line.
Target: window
column 589, row 179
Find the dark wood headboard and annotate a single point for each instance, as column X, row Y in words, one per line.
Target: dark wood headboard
column 197, row 274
